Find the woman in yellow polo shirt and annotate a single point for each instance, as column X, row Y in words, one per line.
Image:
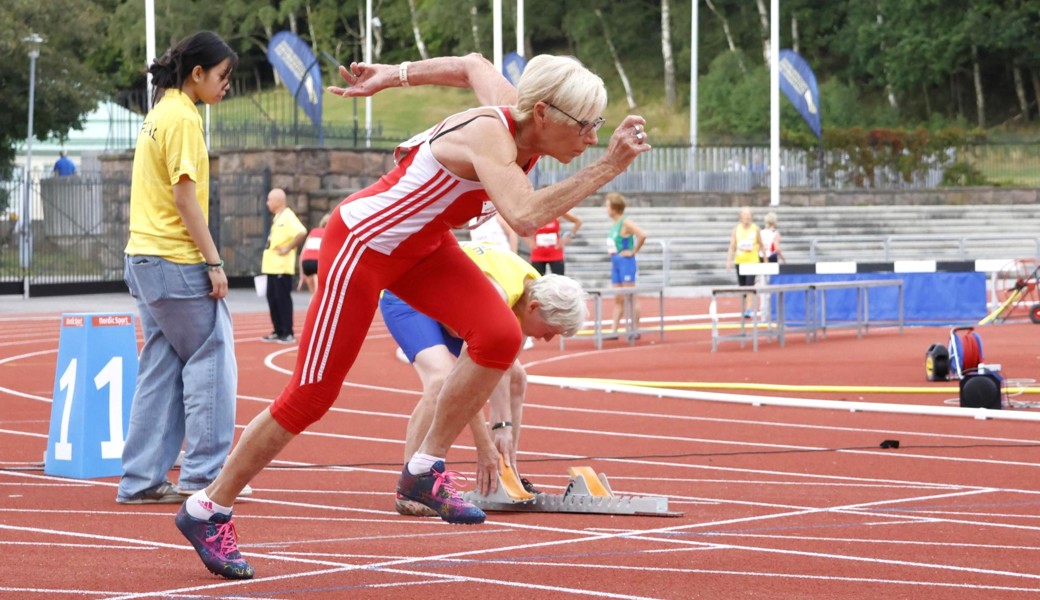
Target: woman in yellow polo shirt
column 745, row 246
column 188, row 376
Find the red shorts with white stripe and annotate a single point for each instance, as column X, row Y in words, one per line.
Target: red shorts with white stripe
column 444, row 284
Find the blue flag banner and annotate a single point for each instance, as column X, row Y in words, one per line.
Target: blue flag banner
column 292, row 58
column 513, row 67
column 798, row 83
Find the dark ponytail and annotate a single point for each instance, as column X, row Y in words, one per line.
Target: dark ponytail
column 204, row 49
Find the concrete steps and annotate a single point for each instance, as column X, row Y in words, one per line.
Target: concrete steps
column 697, row 238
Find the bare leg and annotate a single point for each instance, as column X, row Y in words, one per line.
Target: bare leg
column 433, row 366
column 261, row 442
column 634, row 325
column 464, row 393
column 619, row 309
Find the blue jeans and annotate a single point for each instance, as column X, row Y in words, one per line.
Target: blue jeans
column 186, row 381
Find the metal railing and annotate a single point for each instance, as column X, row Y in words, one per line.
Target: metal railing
column 80, row 227
column 679, row 261
column 938, row 244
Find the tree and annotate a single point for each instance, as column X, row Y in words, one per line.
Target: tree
column 617, row 60
column 67, row 88
column 419, row 45
column 667, row 54
column 730, row 43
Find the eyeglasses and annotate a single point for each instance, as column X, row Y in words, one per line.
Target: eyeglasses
column 584, row 127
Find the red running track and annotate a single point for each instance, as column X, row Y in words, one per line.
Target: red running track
column 778, row 502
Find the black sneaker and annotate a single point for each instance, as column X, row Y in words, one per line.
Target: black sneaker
column 272, row 337
column 529, row 487
column 286, row 339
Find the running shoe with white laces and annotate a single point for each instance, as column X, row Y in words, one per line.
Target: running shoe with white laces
column 436, row 489
column 216, row 542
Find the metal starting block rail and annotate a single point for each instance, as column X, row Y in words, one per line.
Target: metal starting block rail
column 586, row 493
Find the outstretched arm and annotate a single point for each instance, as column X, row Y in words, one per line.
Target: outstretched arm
column 493, row 156
column 471, row 71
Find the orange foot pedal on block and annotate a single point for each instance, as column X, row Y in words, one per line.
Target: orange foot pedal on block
column 586, row 493
column 510, row 483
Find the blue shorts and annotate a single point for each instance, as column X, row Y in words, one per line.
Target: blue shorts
column 622, row 269
column 412, row 330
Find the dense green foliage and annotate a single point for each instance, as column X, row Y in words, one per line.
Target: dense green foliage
column 880, row 63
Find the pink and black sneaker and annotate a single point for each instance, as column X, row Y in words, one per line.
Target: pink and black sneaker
column 436, row 490
column 216, row 542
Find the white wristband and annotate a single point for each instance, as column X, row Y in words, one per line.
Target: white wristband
column 402, row 73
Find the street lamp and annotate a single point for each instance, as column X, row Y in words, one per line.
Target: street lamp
column 33, row 41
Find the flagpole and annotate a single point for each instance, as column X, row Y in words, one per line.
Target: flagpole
column 149, row 36
column 774, row 103
column 368, row 59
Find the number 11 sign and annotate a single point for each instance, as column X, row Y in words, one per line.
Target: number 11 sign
column 93, row 388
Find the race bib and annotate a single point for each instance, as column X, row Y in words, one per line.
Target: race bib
column 545, row 240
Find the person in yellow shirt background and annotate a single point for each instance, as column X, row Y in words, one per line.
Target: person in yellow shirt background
column 279, row 265
column 745, row 246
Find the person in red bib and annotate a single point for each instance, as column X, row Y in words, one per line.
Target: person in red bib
column 548, row 242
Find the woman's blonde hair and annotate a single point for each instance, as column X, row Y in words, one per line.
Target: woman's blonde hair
column 771, row 220
column 563, row 82
column 616, row 202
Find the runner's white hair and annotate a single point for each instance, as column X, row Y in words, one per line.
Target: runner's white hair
column 563, row 82
column 562, row 301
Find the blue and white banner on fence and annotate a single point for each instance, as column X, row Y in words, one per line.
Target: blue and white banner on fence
column 799, row 85
column 513, row 67
column 295, row 63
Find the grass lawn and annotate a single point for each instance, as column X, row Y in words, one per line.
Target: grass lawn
column 408, row 111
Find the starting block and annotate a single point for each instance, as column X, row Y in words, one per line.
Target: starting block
column 586, row 493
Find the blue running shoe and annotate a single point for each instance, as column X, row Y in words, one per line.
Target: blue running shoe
column 216, row 542
column 436, row 490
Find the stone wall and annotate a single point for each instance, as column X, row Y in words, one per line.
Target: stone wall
column 315, row 180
